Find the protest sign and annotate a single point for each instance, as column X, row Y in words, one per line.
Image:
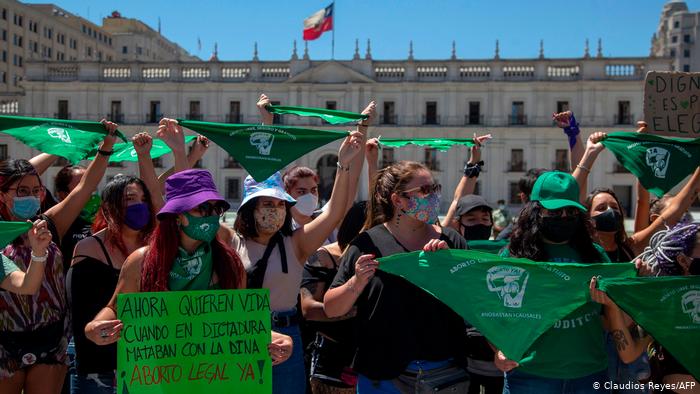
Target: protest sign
column 211, row 341
column 672, row 103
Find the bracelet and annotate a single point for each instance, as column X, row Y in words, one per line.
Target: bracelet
column 105, row 152
column 340, row 166
column 588, row 170
column 473, row 170
column 40, row 259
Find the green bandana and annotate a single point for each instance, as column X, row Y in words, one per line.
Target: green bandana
column 263, row 150
column 71, row 139
column 666, row 307
column 497, row 294
column 91, row 207
column 441, row 144
column 487, row 246
column 659, row 163
column 9, row 231
column 329, row 115
column 126, row 152
column 191, row 272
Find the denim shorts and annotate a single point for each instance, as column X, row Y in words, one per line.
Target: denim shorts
column 517, row 382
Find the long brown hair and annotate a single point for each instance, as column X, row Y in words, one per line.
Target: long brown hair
column 162, row 251
column 387, row 181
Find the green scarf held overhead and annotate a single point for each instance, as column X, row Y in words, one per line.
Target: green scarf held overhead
column 9, row 231
column 668, row 308
column 329, row 115
column 441, row 144
column 659, row 163
column 127, row 152
column 71, row 139
column 499, row 295
column 263, row 150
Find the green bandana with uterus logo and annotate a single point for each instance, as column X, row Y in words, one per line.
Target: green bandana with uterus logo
column 668, row 308
column 331, row 116
column 441, row 144
column 70, row 139
column 263, row 150
column 660, row 163
column 126, row 151
column 192, row 271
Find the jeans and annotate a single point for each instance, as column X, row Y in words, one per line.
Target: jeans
column 290, row 376
column 93, row 384
column 367, row 386
column 517, row 382
column 622, row 373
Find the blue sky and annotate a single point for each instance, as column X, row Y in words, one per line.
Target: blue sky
column 626, row 26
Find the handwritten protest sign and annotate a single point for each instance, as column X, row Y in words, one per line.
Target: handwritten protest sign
column 194, row 342
column 672, row 104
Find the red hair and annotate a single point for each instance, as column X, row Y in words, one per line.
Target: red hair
column 162, row 251
column 292, row 176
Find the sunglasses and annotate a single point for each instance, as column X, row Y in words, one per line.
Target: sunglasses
column 557, row 213
column 435, row 188
column 25, row 191
column 209, row 209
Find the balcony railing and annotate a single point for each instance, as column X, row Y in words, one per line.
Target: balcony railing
column 623, row 119
column 517, row 166
column 153, row 118
column 117, row 118
column 517, row 120
column 195, row 117
column 431, row 120
column 62, row 115
column 474, row 119
column 389, row 119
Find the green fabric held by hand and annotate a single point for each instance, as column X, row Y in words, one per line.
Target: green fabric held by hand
column 498, row 295
column 441, row 144
column 9, row 231
column 127, row 152
column 329, row 115
column 660, row 163
column 71, row 139
column 668, row 308
column 263, row 150
column 487, row 246
column 192, row 271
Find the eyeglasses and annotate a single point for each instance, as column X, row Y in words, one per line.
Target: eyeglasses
column 209, row 209
column 557, row 213
column 425, row 189
column 24, row 191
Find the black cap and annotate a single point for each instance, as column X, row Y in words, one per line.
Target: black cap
column 470, row 202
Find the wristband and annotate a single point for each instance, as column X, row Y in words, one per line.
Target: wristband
column 40, row 259
column 105, row 152
column 572, row 131
column 588, row 170
column 340, row 166
column 473, row 170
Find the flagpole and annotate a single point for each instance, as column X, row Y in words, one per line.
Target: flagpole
column 333, row 35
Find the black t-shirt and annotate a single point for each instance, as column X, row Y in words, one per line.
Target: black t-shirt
column 396, row 321
column 78, row 231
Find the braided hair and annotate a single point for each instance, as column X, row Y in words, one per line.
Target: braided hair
column 666, row 245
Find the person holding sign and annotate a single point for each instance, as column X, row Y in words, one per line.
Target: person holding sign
column 274, row 253
column 554, row 227
column 34, row 328
column 123, row 224
column 17, row 281
column 404, row 335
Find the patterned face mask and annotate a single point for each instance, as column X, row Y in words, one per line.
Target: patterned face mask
column 269, row 220
column 424, row 209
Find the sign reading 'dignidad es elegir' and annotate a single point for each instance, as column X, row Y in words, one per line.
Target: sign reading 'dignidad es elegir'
column 672, row 103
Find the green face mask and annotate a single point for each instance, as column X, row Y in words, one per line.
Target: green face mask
column 202, row 228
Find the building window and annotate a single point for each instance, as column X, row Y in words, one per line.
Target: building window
column 115, row 112
column 431, row 159
column 233, row 188
column 234, row 112
column 63, row 110
column 517, row 161
column 623, row 113
column 686, row 38
column 195, row 111
column 686, row 53
column 125, row 49
column 3, row 152
column 686, row 68
column 154, row 113
column 513, row 193
column 562, row 106
column 561, row 160
column 474, row 116
column 139, row 50
column 88, row 51
column 231, row 162
column 4, row 13
column 19, row 20
column 158, row 162
column 18, row 40
column 3, row 77
column 4, row 56
column 517, row 113
column 389, row 114
column 387, row 157
column 674, row 39
column 331, row 105
column 4, row 35
column 673, row 52
column 431, row 113
column 676, row 24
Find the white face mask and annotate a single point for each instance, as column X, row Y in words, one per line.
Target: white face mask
column 306, row 204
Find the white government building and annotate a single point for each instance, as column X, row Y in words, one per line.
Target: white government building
column 513, row 99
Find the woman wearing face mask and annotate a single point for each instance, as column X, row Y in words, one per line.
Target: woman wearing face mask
column 671, row 252
column 400, row 329
column 302, row 184
column 554, row 226
column 34, row 328
column 274, row 253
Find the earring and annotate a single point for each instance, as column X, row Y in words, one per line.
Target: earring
column 398, row 219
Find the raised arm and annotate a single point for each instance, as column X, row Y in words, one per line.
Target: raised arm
column 356, row 165
column 197, row 150
column 265, row 116
column 310, row 236
column 64, row 213
column 28, row 283
column 42, row 162
column 143, row 143
column 641, row 212
column 467, row 183
column 583, row 169
column 171, row 133
column 372, row 157
column 567, row 122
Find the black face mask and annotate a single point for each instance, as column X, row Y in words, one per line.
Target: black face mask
column 476, row 232
column 559, row 229
column 608, row 222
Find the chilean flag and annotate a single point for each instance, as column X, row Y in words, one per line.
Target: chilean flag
column 317, row 23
